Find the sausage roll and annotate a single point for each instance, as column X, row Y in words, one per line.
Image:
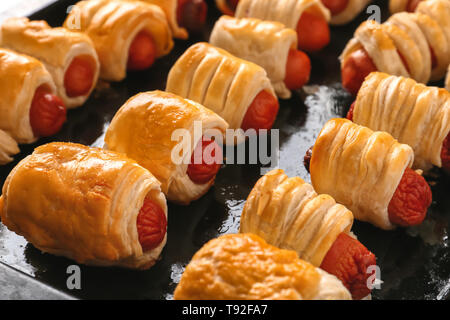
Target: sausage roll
column 308, row 17
column 288, row 213
column 359, row 168
column 70, row 57
column 117, row 28
column 227, row 85
column 413, row 113
column 245, row 267
column 22, row 79
column 85, row 204
column 144, row 129
column 258, row 41
column 344, row 14
column 415, row 45
column 8, row 147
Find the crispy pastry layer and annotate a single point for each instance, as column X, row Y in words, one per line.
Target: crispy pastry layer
column 113, row 24
column 245, row 267
column 54, row 47
column 411, row 112
column 8, row 147
column 146, row 129
column 289, row 214
column 410, row 35
column 82, row 203
column 287, row 12
column 353, row 8
column 258, row 41
column 218, row 80
column 20, row 76
column 170, row 9
column 359, row 168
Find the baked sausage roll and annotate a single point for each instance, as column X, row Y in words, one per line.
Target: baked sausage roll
column 259, row 41
column 245, row 267
column 91, row 205
column 8, row 147
column 126, row 34
column 289, row 214
column 308, row 17
column 29, row 107
column 237, row 90
column 70, row 57
column 170, row 9
column 144, row 129
column 413, row 113
column 344, row 11
column 359, row 168
column 411, row 45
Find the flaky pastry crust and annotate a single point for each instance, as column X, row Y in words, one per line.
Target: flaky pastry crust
column 8, row 147
column 354, row 7
column 245, row 267
column 258, row 41
column 359, row 168
column 113, row 24
column 144, row 129
column 82, row 203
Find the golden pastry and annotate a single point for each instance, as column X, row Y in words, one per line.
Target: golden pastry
column 83, row 203
column 245, row 267
column 8, row 147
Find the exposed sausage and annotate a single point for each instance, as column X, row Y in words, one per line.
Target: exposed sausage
column 203, row 171
column 47, row 113
column 142, row 52
column 409, row 205
column 348, row 260
column 151, row 225
column 79, row 76
column 335, row 6
column 298, row 69
column 191, row 14
column 355, row 69
column 313, row 32
column 261, row 113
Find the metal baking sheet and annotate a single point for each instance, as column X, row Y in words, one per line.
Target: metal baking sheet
column 414, row 262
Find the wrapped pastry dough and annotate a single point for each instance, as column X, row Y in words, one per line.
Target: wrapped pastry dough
column 287, row 12
column 113, row 24
column 8, row 147
column 218, row 80
column 413, row 113
column 170, row 9
column 258, row 41
column 82, row 203
column 20, row 76
column 359, row 168
column 354, row 7
column 143, row 128
column 407, row 35
column 289, row 214
column 54, row 47
column 245, row 267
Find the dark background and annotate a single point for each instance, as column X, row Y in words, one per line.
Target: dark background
column 414, row 262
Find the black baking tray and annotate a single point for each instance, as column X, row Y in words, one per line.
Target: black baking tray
column 414, row 262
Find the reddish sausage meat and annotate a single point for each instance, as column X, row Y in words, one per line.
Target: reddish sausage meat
column 335, row 6
column 262, row 112
column 313, row 32
column 298, row 70
column 142, row 52
column 412, row 5
column 47, row 113
column 79, row 76
column 151, row 225
column 203, row 171
column 348, row 260
column 191, row 14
